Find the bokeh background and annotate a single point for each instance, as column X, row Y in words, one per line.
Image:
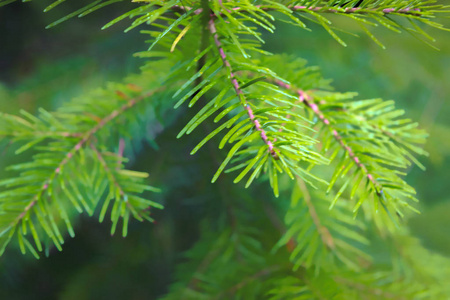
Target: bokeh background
column 45, row 68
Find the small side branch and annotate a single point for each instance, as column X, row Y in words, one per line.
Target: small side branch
column 111, row 175
column 257, row 276
column 307, row 100
column 108, row 170
column 367, row 289
column 324, row 233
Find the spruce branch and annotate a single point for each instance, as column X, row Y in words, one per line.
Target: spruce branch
column 302, row 8
column 384, row 180
column 379, row 12
column 308, row 101
column 319, row 238
column 112, row 175
column 224, row 262
column 370, row 285
column 324, row 233
column 260, row 120
column 250, row 279
column 86, row 137
column 369, row 290
column 35, row 195
column 239, row 92
column 279, row 119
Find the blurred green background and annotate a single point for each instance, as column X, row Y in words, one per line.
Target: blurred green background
column 44, row 68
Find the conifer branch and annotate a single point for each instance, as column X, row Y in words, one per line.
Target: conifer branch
column 369, row 290
column 42, row 180
column 114, row 179
column 315, row 233
column 24, row 133
column 409, row 151
column 379, row 12
column 238, row 91
column 257, row 276
column 86, row 137
column 276, row 129
column 307, row 100
column 324, row 233
column 325, row 9
column 399, row 135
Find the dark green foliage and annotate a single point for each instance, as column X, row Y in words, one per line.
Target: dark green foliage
column 341, row 160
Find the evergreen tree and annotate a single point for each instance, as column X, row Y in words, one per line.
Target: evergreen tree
column 333, row 163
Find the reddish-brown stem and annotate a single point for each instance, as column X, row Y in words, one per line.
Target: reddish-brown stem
column 121, row 147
